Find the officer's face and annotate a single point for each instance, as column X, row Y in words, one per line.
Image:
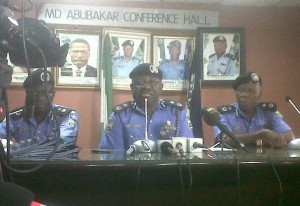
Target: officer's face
column 146, row 87
column 128, row 50
column 174, row 52
column 79, row 53
column 248, row 96
column 40, row 98
column 220, row 47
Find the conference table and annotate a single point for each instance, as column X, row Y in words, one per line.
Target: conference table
column 110, row 177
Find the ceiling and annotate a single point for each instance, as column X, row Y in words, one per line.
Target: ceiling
column 259, row 3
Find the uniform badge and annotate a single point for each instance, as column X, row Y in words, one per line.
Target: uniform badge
column 109, row 125
column 71, row 122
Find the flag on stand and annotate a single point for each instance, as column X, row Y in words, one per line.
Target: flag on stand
column 106, row 83
column 194, row 94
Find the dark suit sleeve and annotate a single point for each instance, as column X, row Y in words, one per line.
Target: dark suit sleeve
column 90, row 71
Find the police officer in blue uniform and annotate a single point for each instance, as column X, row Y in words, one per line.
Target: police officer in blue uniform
column 123, row 65
column 221, row 63
column 34, row 122
column 166, row 119
column 253, row 122
column 174, row 68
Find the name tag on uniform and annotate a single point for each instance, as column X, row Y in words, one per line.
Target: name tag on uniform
column 24, row 129
column 133, row 126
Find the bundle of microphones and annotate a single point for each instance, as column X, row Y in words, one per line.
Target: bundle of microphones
column 175, row 146
column 39, row 150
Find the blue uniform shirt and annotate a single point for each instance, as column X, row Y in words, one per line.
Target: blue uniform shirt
column 224, row 65
column 23, row 128
column 237, row 122
column 127, row 125
column 179, row 72
column 122, row 68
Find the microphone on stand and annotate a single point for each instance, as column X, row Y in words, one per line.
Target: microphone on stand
column 289, row 100
column 145, row 145
column 167, row 148
column 212, row 118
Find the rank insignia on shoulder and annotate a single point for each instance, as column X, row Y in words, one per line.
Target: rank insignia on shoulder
column 230, row 56
column 210, row 56
column 166, row 103
column 109, row 125
column 268, row 106
column 17, row 113
column 226, row 109
column 123, row 106
column 62, row 111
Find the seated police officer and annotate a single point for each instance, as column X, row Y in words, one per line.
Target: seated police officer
column 34, row 122
column 126, row 124
column 251, row 121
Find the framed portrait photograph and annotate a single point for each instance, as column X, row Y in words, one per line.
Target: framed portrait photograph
column 222, row 54
column 129, row 49
column 82, row 66
column 173, row 55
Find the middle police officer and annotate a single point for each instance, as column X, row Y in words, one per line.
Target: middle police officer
column 123, row 65
column 166, row 119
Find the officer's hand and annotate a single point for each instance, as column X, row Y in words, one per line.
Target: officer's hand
column 273, row 139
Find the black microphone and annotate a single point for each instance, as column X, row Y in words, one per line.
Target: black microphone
column 212, row 117
column 289, row 100
column 167, row 148
column 198, row 145
column 179, row 147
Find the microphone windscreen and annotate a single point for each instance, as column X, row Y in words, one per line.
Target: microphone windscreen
column 165, row 147
column 288, row 98
column 211, row 116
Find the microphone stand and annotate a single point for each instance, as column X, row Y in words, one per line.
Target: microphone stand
column 289, row 100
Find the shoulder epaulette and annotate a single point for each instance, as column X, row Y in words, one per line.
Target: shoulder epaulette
column 210, row 56
column 165, row 103
column 123, row 106
column 62, row 111
column 118, row 57
column 163, row 61
column 17, row 113
column 226, row 109
column 230, row 56
column 268, row 106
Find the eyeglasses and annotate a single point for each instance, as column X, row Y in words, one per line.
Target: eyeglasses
column 140, row 84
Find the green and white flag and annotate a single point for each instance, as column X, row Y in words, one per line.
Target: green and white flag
column 106, row 84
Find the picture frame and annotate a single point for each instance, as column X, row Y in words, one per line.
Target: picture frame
column 20, row 74
column 84, row 54
column 181, row 49
column 131, row 45
column 222, row 54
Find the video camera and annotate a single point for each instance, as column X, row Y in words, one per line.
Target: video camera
column 31, row 34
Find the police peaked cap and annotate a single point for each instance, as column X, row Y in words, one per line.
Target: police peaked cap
column 128, row 43
column 37, row 78
column 249, row 77
column 146, row 69
column 219, row 38
column 174, row 43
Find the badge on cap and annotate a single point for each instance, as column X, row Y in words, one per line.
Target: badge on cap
column 254, row 77
column 153, row 69
column 43, row 78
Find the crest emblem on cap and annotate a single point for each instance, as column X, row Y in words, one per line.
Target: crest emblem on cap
column 153, row 69
column 254, row 77
column 43, row 78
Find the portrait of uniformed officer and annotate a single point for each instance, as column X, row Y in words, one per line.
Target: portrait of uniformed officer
column 123, row 65
column 166, row 118
column 221, row 63
column 174, row 68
